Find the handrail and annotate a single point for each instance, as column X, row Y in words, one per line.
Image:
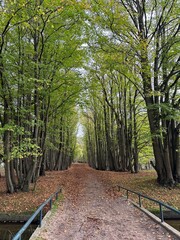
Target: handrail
column 39, row 210
column 140, row 195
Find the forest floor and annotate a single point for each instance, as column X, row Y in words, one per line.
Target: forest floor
column 144, row 182
column 93, row 210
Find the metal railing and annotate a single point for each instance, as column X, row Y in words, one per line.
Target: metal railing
column 161, row 204
column 38, row 211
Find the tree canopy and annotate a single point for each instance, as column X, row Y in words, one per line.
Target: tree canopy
column 116, row 61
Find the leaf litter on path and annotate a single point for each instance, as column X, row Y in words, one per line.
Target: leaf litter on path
column 93, row 209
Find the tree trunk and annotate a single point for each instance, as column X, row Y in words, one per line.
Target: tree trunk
column 108, row 141
column 27, row 181
column 176, row 144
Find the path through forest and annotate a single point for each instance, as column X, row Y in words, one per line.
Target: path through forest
column 89, row 212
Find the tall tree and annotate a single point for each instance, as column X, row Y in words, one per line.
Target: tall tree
column 145, row 35
column 157, row 29
column 40, row 54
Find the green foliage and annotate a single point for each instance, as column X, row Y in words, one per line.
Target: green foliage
column 79, row 153
column 146, row 154
column 26, row 149
column 41, row 61
column 57, row 202
column 55, row 55
column 7, row 127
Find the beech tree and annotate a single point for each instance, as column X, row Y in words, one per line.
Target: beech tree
column 10, row 19
column 114, row 117
column 157, row 29
column 145, row 35
column 40, row 54
column 118, row 60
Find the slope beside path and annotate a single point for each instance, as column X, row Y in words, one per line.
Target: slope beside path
column 89, row 212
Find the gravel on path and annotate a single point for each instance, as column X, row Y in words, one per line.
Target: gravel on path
column 89, row 213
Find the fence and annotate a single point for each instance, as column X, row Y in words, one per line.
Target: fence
column 161, row 204
column 39, row 211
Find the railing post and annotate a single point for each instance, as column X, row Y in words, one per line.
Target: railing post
column 38, row 213
column 56, row 195
column 50, row 203
column 161, row 212
column 141, row 196
column 139, row 200
column 40, row 217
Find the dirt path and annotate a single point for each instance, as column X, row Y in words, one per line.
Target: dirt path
column 90, row 213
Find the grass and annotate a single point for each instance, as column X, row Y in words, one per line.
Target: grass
column 57, row 203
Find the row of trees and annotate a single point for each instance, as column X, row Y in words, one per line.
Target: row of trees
column 135, row 52
column 128, row 91
column 39, row 87
column 117, row 130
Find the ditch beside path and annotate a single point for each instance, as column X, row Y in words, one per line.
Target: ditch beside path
column 89, row 212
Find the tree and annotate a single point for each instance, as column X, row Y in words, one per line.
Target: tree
column 157, row 28
column 115, row 116
column 10, row 13
column 145, row 35
column 39, row 54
